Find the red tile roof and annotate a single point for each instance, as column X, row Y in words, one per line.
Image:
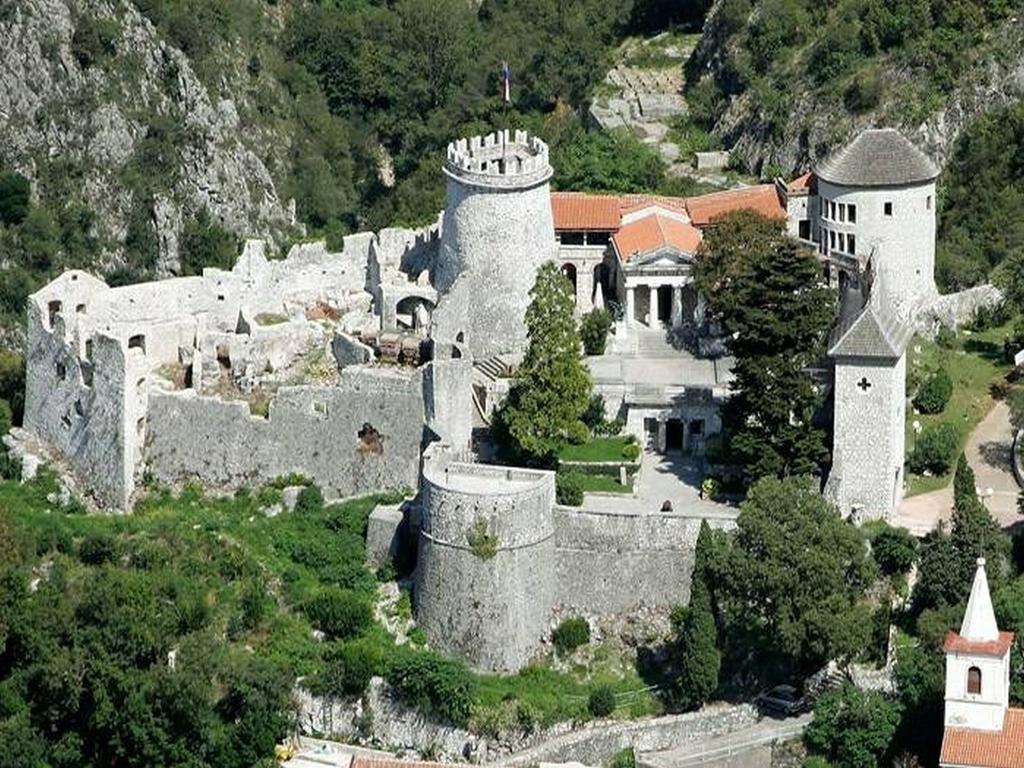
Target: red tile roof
column 801, row 183
column 653, row 232
column 632, row 203
column 954, row 642
column 576, row 211
column 762, row 199
column 986, row 749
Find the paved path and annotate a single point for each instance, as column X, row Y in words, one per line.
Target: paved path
column 719, row 749
column 989, row 451
column 673, row 477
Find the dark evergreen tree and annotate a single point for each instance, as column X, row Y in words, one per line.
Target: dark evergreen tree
column 767, row 292
column 700, row 659
column 964, row 488
column 552, row 390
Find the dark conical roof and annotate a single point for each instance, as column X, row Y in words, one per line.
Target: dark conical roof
column 879, row 157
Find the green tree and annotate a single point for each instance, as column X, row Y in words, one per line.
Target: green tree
column 204, row 243
column 607, row 161
column 965, row 489
column 594, row 327
column 934, row 448
column 934, row 393
column 767, row 292
column 894, row 549
column 700, row 659
column 853, row 728
column 15, row 198
column 552, row 388
column 794, row 577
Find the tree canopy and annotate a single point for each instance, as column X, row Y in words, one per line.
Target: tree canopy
column 766, row 291
column 545, row 405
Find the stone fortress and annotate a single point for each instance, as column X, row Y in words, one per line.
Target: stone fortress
column 371, row 368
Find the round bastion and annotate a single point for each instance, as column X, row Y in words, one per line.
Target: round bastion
column 496, row 232
column 485, row 578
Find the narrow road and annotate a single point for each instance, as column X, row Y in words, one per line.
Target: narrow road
column 719, row 750
column 989, row 452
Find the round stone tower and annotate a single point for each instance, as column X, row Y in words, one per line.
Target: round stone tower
column 485, row 571
column 877, row 204
column 497, row 230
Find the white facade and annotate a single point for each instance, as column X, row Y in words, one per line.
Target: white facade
column 894, row 227
column 978, row 665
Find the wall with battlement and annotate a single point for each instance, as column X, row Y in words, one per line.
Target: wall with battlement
column 357, row 437
column 485, row 575
column 496, row 232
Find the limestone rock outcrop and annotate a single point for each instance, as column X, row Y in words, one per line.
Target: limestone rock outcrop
column 68, row 120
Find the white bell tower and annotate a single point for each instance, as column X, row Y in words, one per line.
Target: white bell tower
column 978, row 664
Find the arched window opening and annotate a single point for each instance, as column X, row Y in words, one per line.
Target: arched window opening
column 974, row 680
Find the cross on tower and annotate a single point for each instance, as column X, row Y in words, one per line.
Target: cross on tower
column 864, row 384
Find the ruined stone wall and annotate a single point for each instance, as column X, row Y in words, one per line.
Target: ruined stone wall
column 485, row 576
column 360, row 436
column 496, row 232
column 608, row 563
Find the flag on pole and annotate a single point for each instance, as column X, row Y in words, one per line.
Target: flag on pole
column 506, row 82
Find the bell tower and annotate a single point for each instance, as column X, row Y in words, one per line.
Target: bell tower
column 978, row 665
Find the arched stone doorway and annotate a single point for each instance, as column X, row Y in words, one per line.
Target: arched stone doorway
column 415, row 311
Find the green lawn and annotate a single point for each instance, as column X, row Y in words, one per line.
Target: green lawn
column 974, row 363
column 602, row 484
column 596, row 449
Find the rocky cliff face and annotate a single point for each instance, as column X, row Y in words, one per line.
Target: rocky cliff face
column 808, row 123
column 84, row 83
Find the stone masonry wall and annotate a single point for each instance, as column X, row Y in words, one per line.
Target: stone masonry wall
column 312, row 430
column 485, row 575
column 608, row 563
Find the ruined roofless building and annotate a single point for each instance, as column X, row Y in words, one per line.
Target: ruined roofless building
column 497, row 231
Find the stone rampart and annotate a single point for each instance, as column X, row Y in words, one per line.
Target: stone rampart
column 360, row 436
column 607, row 563
column 953, row 310
column 485, row 578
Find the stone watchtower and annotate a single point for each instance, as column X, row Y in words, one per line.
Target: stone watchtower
column 877, row 204
column 485, row 577
column 869, row 350
column 497, row 231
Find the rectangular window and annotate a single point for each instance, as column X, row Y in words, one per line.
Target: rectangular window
column 832, row 210
column 598, row 238
column 572, row 238
column 804, row 228
column 888, row 209
column 842, row 242
column 851, row 213
column 842, row 211
column 929, row 202
column 832, row 240
column 851, row 246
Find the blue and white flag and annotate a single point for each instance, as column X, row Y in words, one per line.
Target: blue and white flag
column 506, row 82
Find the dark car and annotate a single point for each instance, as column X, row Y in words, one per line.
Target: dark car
column 782, row 701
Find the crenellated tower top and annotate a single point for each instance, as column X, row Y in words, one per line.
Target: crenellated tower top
column 499, row 160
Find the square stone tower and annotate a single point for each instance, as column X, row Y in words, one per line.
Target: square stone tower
column 869, row 349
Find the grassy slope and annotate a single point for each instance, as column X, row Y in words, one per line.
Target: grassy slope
column 219, row 544
column 975, row 362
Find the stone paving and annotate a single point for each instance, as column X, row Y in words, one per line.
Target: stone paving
column 988, row 452
column 726, row 749
column 673, row 477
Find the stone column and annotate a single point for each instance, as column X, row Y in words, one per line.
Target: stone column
column 584, row 290
column 630, row 305
column 662, row 436
column 698, row 311
column 677, row 306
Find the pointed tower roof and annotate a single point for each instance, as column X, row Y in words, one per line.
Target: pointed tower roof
column 979, row 632
column 979, row 619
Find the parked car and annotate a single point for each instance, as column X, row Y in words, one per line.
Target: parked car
column 782, row 701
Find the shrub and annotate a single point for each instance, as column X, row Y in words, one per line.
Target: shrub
column 349, row 666
column 631, row 451
column 594, row 327
column 310, row 500
column 571, row 634
column 602, row 701
column 339, row 613
column 934, row 393
column 624, row 759
column 433, row 684
column 894, row 549
column 6, row 417
column 482, row 543
column 934, row 449
column 569, row 488
column 97, row 549
column 593, row 417
column 946, row 337
column 15, row 197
